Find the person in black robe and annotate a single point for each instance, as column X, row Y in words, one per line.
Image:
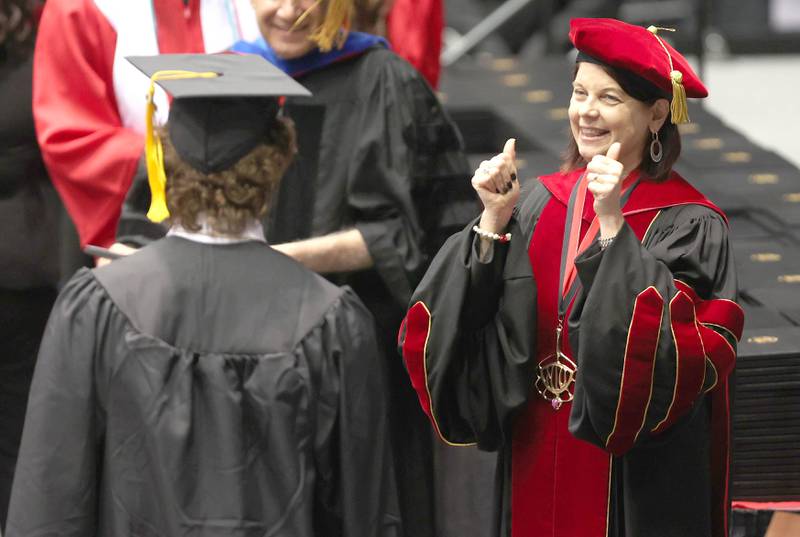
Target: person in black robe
column 587, row 332
column 31, row 252
column 373, row 194
column 379, row 181
column 208, row 384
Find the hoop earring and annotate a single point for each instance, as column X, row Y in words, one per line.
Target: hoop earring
column 656, row 149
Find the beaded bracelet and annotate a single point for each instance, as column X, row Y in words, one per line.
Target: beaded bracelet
column 605, row 243
column 505, row 237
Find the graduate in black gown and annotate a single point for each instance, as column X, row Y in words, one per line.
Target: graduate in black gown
column 586, row 330
column 376, row 183
column 208, row 385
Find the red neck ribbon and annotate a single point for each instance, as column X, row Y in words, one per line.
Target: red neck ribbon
column 576, row 248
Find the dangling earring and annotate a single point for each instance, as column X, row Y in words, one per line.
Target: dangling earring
column 656, row 149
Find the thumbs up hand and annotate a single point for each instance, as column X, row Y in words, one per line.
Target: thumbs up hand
column 604, row 176
column 497, row 185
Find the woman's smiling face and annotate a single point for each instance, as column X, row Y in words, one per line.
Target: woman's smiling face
column 600, row 113
column 276, row 20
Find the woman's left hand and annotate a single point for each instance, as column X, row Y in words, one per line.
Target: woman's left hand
column 604, row 176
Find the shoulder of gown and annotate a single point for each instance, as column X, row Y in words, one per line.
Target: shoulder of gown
column 242, row 297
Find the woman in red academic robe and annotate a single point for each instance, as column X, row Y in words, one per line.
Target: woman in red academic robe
column 586, row 330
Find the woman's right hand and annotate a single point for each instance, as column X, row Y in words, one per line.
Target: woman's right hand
column 497, row 185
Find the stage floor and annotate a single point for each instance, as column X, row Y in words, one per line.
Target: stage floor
column 757, row 96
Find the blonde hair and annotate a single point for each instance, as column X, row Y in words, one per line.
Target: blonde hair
column 335, row 24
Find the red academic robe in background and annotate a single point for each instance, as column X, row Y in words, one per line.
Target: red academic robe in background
column 89, row 102
column 414, row 28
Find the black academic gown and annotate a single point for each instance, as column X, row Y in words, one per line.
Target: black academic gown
column 642, row 449
column 206, row 390
column 373, row 143
column 30, row 253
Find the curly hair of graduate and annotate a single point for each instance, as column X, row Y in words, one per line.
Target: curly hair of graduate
column 230, row 199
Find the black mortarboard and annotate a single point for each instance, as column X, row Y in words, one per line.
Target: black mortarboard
column 223, row 106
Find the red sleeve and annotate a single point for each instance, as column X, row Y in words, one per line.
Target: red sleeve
column 696, row 328
column 91, row 157
column 414, row 28
column 413, row 342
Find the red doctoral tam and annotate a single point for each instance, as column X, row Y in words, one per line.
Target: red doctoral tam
column 643, row 52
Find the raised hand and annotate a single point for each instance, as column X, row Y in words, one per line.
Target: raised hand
column 604, row 176
column 497, row 185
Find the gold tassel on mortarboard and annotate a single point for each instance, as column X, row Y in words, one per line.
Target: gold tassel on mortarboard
column 335, row 25
column 153, row 150
column 678, row 108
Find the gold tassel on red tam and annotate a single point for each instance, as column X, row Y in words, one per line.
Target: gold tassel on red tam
column 678, row 108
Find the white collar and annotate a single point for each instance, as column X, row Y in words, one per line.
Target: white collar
column 254, row 231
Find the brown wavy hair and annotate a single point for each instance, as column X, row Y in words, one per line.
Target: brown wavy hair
column 670, row 137
column 232, row 198
column 17, row 27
